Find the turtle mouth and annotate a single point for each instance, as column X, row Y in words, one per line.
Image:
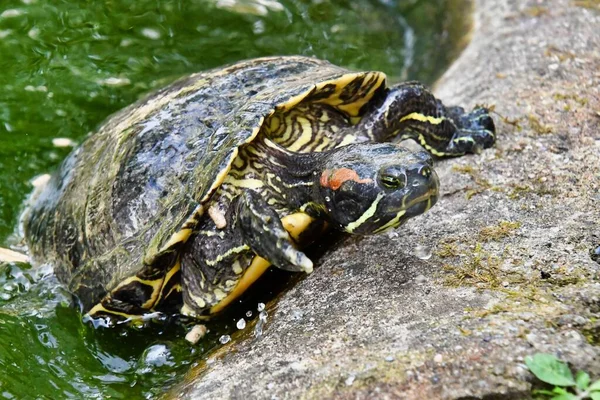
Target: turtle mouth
column 415, row 206
column 421, row 204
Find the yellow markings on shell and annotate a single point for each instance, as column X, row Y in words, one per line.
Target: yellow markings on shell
column 305, row 137
column 156, row 286
column 229, row 252
column 351, row 109
column 98, row 308
column 176, row 288
column 324, row 117
column 366, row 215
column 274, row 124
column 179, row 236
column 423, row 118
column 248, row 183
column 238, row 163
column 169, row 275
column 225, row 171
column 258, row 267
column 392, row 223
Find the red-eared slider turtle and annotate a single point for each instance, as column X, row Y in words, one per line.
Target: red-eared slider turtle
column 180, row 201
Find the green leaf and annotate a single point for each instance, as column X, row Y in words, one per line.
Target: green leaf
column 594, row 387
column 550, row 369
column 582, row 379
column 558, row 390
column 595, row 396
column 565, row 396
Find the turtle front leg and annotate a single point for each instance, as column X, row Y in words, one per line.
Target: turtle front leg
column 264, row 233
column 410, row 111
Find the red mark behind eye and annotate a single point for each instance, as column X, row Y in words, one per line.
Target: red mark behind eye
column 334, row 179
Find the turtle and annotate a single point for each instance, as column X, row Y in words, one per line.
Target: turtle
column 179, row 202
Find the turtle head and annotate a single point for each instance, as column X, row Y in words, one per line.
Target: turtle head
column 370, row 188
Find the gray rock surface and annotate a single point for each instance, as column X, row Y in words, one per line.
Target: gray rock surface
column 510, row 273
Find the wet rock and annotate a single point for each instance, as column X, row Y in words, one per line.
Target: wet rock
column 496, row 290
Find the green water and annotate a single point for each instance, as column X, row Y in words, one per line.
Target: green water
column 67, row 65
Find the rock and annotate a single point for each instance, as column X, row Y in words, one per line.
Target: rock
column 510, row 273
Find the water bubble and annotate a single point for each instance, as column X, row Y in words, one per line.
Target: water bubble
column 11, row 13
column 114, row 81
column 297, row 315
column 241, row 324
column 258, row 27
column 224, row 339
column 422, row 252
column 260, row 307
column 155, row 356
column 63, row 142
column 248, row 314
column 262, row 320
column 151, row 33
column 263, row 316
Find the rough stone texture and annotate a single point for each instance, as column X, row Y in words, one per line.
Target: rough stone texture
column 511, row 273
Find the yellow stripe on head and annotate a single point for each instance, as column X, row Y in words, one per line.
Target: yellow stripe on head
column 365, row 216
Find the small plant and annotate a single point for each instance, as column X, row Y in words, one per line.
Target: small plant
column 550, row 369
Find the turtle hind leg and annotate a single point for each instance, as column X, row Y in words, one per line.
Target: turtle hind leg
column 264, row 233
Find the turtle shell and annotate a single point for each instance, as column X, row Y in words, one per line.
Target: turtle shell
column 121, row 206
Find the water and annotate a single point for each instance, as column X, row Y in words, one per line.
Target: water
column 241, row 324
column 67, row 65
column 423, row 252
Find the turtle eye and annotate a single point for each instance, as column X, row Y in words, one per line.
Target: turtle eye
column 393, row 182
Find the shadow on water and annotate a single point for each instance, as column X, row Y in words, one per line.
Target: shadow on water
column 66, row 65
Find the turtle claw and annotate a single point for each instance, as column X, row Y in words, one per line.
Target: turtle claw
column 475, row 131
column 297, row 261
column 263, row 231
